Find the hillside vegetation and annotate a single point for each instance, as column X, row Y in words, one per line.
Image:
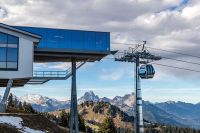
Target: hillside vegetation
column 23, row 118
column 179, row 114
column 99, row 117
column 106, row 118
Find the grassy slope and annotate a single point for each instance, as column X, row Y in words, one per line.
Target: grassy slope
column 120, row 118
column 4, row 128
column 33, row 121
column 90, row 115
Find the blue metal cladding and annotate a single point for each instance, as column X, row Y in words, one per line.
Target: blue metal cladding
column 71, row 39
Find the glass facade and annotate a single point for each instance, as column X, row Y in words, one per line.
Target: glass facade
column 8, row 52
column 64, row 39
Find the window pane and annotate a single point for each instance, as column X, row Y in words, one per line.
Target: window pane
column 12, row 45
column 12, row 65
column 8, row 51
column 12, row 39
column 2, row 54
column 3, row 45
column 3, row 38
column 2, row 64
column 12, row 54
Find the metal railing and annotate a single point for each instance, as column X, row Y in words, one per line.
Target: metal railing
column 41, row 77
column 49, row 73
column 56, row 74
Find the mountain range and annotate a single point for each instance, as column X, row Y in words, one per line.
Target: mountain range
column 170, row 113
column 44, row 104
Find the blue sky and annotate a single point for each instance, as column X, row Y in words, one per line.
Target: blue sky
column 98, row 77
column 166, row 24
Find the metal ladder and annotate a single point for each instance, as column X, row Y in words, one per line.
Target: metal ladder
column 41, row 77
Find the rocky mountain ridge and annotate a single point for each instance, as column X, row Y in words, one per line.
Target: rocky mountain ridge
column 170, row 112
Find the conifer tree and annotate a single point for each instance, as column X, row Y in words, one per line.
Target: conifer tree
column 28, row 108
column 20, row 106
column 64, row 119
column 10, row 100
column 81, row 123
column 108, row 126
column 15, row 102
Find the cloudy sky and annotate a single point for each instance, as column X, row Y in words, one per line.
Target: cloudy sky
column 165, row 24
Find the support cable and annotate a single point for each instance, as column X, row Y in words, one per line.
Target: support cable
column 176, row 67
column 178, row 60
column 180, row 53
column 182, row 68
column 190, row 62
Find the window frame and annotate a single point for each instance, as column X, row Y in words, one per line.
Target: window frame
column 17, row 44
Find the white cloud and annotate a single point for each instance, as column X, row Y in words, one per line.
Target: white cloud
column 60, row 66
column 112, row 75
column 3, row 13
column 191, row 12
column 128, row 20
column 173, row 2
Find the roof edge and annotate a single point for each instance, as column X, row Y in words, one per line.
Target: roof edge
column 20, row 31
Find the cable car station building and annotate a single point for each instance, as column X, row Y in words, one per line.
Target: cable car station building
column 20, row 47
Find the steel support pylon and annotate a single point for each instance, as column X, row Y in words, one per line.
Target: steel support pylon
column 3, row 103
column 134, row 55
column 139, row 126
column 73, row 108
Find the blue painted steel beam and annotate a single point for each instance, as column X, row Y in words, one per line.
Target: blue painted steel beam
column 73, row 108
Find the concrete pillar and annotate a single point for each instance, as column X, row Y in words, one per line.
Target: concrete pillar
column 73, row 108
column 3, row 104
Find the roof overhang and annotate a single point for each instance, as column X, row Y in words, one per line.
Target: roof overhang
column 20, row 33
column 16, row 82
column 46, row 55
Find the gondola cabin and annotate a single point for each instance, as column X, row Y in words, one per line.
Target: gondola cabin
column 146, row 71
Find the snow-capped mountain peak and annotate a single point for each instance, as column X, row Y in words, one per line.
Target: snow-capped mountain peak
column 44, row 104
column 129, row 100
column 118, row 98
column 104, row 99
column 125, row 100
column 34, row 99
column 88, row 96
column 170, row 102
